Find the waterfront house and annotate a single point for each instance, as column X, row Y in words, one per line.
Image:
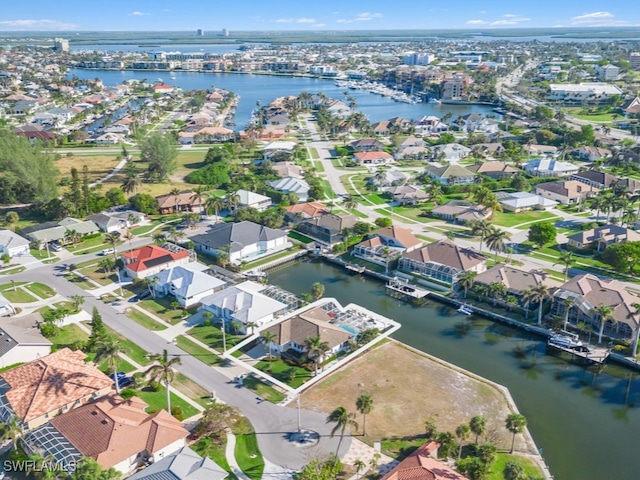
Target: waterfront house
column 43, row 388
column 600, row 238
column 516, row 280
column 289, row 185
column 550, row 167
column 253, row 200
column 21, row 340
column 189, row 284
column 451, row 174
column 13, row 244
column 461, row 212
column 185, row 464
column 566, row 192
column 450, row 152
column 242, row 241
column 517, row 202
column 443, row 261
column 385, row 244
column 494, row 169
column 587, row 292
column 408, row 195
column 115, row 432
column 243, row 303
column 151, row 259
column 606, row 181
column 182, row 202
column 300, row 211
column 367, row 145
column 381, row 128
column 213, row 134
column 423, row 464
column 326, row 229
column 373, row 158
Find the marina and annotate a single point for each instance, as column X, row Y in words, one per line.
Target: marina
column 401, row 289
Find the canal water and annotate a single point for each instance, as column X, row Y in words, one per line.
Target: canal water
column 265, row 88
column 585, row 421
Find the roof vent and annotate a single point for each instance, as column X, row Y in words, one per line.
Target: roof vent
column 94, row 412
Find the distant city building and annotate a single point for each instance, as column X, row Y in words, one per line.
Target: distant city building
column 417, row 58
column 225, row 32
column 200, row 32
column 582, row 92
column 61, row 45
column 634, row 59
column 607, row 72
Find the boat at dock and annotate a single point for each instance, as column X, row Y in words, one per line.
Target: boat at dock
column 566, row 339
column 465, row 309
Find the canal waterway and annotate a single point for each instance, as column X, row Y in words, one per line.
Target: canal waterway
column 584, row 420
column 264, row 88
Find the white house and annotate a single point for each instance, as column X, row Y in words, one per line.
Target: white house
column 273, row 148
column 292, row 185
column 21, row 340
column 243, row 303
column 13, row 244
column 550, row 167
column 253, row 200
column 450, row 152
column 187, row 283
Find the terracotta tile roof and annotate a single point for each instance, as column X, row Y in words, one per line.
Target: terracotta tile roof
column 493, row 166
column 112, row 429
column 421, row 465
column 445, row 252
column 362, row 156
column 403, row 235
column 46, row 384
column 310, row 209
column 184, row 198
column 150, row 256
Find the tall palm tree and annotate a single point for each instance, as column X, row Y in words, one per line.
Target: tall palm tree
column 604, row 313
column 198, row 197
column 462, row 433
column 342, row 419
column 497, row 289
column 232, row 200
column 176, row 198
column 131, row 183
column 478, row 426
column 466, row 280
column 268, row 338
column 164, row 372
column 77, row 300
column 566, row 258
column 359, row 465
column 515, row 423
column 112, row 238
column 364, row 404
column 482, row 229
column 350, row 202
column 496, row 240
column 636, row 331
column 128, row 236
column 537, row 294
column 11, row 430
column 213, row 203
column 71, row 236
column 315, row 349
column 109, row 350
column 568, row 303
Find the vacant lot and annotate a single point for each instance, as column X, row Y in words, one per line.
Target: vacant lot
column 407, row 389
column 98, row 166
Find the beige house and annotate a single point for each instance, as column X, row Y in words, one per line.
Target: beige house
column 601, row 237
column 566, row 192
column 516, row 281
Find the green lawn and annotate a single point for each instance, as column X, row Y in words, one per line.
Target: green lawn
column 280, row 370
column 161, row 307
column 133, row 351
column 314, row 153
column 212, row 336
column 89, row 243
column 198, row 351
column 215, row 452
column 95, row 273
column 13, row 271
column 41, row 290
column 68, row 335
column 375, row 198
column 19, row 296
column 508, row 219
column 270, row 258
column 39, row 254
column 260, row 388
column 400, row 449
column 497, row 469
column 326, row 188
column 248, row 455
column 145, row 320
column 299, row 237
column 158, row 401
column 146, row 228
column 79, row 281
column 9, row 286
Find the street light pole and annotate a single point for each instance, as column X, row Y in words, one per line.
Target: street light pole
column 119, row 281
column 298, row 406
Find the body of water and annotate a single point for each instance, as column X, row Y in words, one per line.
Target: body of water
column 265, row 88
column 160, row 47
column 585, row 420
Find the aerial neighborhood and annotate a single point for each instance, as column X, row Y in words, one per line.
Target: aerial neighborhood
column 348, row 280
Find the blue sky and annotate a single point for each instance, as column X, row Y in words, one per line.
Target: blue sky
column 213, row 15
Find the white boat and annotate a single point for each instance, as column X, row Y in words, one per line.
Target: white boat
column 565, row 339
column 434, row 100
column 465, row 309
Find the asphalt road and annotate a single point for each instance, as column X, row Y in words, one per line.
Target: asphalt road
column 271, row 422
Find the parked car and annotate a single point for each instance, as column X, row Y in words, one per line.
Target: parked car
column 118, row 375
column 108, row 251
column 55, row 246
column 125, row 381
column 141, row 296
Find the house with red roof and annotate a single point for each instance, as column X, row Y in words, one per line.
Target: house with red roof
column 151, row 259
column 373, row 158
column 423, row 464
column 163, row 88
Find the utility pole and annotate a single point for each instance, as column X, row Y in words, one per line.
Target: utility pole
column 298, row 406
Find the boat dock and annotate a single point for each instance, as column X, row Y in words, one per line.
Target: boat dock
column 593, row 355
column 355, row 268
column 400, row 288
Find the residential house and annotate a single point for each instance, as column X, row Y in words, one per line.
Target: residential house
column 550, row 167
column 451, row 174
column 288, row 169
column 494, row 169
column 388, row 178
column 189, row 284
column 516, row 281
column 289, row 185
column 476, row 123
column 6, row 309
column 373, row 158
column 381, row 128
column 450, row 152
column 110, row 138
column 367, row 145
column 213, row 134
column 587, row 292
column 182, row 202
column 488, row 150
column 408, row 195
column 242, row 241
column 412, row 153
column 245, row 304
column 423, row 464
column 151, row 259
column 327, row 229
column 590, row 153
column 279, row 150
column 43, row 388
column 253, row 200
column 291, row 333
column 605, row 181
column 300, row 211
column 56, row 231
column 34, row 132
column 600, row 238
column 337, row 108
column 566, row 192
column 185, row 464
column 112, row 221
column 21, row 340
column 115, row 432
column 541, row 150
column 430, row 125
column 443, row 261
column 517, row 202
column 385, row 244
column 13, row 244
column 461, row 212
column 631, row 106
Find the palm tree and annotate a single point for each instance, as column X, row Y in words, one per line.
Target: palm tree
column 568, row 303
column 213, row 203
column 131, row 183
column 364, row 404
column 482, row 229
column 604, row 313
column 478, row 426
column 251, row 325
column 109, row 350
column 197, row 197
column 566, row 258
column 164, row 372
column 497, row 289
column 176, row 198
column 466, row 280
column 232, row 200
column 106, row 265
column 496, row 240
column 515, row 423
column 77, row 300
column 342, row 419
column 112, row 238
column 462, row 433
column 315, row 349
column 359, row 465
column 12, row 430
column 71, row 236
column 537, row 294
column 636, row 331
column 268, row 338
column 128, row 236
column 350, row 202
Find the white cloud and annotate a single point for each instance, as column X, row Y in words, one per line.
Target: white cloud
column 597, row 19
column 138, row 14
column 296, row 20
column 367, row 16
column 41, row 24
column 284, row 20
column 510, row 15
column 483, row 12
column 510, row 19
column 305, row 20
column 344, row 20
column 319, row 25
column 477, row 22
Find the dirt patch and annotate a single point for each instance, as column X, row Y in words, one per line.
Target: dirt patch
column 407, row 389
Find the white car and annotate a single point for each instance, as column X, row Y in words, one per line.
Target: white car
column 108, row 251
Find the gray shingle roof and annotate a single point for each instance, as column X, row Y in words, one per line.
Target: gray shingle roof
column 185, row 464
column 237, row 235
